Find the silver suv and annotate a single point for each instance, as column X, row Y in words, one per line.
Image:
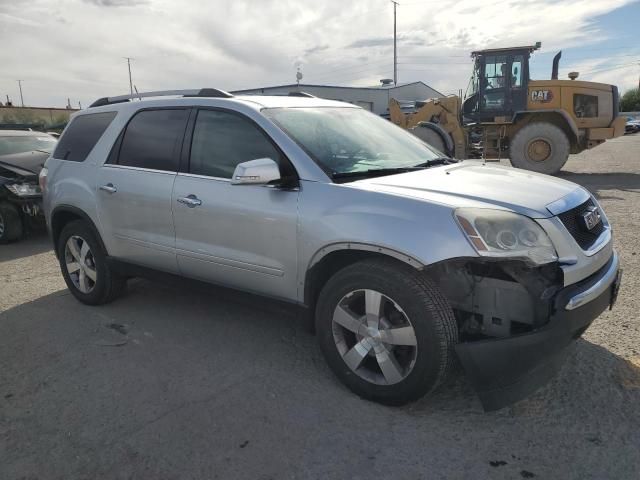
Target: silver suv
column 406, row 259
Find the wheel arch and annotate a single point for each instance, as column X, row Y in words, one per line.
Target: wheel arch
column 332, row 258
column 557, row 117
column 62, row 215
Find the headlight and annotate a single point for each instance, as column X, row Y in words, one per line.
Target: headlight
column 494, row 233
column 24, row 189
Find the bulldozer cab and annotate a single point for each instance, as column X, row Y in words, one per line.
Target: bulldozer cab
column 498, row 86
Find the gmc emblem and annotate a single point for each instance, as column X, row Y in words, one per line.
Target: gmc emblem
column 591, row 218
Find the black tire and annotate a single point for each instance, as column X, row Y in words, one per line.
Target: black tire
column 428, row 311
column 11, row 227
column 539, row 147
column 108, row 284
column 430, row 136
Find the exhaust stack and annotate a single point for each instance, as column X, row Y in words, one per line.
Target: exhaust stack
column 556, row 61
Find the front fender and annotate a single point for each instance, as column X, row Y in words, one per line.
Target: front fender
column 336, row 216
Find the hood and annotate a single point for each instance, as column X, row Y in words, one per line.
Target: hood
column 476, row 184
column 25, row 164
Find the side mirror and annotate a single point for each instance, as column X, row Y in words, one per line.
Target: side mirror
column 261, row 171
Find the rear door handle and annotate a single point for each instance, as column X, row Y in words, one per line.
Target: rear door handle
column 109, row 188
column 190, row 201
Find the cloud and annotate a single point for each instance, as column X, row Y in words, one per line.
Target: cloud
column 413, row 40
column 117, row 3
column 316, row 49
column 244, row 43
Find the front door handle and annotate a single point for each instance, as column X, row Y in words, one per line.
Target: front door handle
column 190, row 201
column 109, row 188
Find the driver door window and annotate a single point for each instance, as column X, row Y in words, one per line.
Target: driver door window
column 222, row 140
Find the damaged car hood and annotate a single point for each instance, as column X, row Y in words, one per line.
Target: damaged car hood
column 27, row 164
column 476, row 184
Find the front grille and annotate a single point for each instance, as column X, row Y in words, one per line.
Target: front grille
column 572, row 221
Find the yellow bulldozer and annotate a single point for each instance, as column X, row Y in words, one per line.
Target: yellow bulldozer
column 534, row 123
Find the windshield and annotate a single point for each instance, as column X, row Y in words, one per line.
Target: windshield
column 345, row 140
column 26, row 143
column 472, row 87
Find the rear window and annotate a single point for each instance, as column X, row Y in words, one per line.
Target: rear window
column 152, row 139
column 81, row 135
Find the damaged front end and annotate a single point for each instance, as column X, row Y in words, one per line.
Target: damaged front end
column 19, row 187
column 513, row 320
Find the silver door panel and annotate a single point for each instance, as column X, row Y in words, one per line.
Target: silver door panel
column 243, row 236
column 138, row 215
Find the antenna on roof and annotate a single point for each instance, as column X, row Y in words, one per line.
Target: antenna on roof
column 137, row 93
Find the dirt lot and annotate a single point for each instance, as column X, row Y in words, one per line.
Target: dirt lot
column 171, row 383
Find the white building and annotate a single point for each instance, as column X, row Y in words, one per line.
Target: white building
column 374, row 99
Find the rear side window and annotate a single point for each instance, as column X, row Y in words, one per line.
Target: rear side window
column 153, row 138
column 222, row 140
column 81, row 136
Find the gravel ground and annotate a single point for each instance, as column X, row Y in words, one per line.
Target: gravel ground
column 171, row 383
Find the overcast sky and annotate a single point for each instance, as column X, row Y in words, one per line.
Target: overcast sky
column 75, row 48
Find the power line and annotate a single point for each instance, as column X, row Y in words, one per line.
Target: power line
column 615, row 67
column 367, row 66
column 354, row 66
column 427, row 64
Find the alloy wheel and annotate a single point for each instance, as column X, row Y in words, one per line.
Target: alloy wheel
column 374, row 337
column 539, row 150
column 80, row 264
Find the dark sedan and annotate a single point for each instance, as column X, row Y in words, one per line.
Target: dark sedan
column 22, row 155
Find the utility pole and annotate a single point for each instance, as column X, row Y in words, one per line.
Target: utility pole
column 395, row 48
column 20, row 87
column 129, row 66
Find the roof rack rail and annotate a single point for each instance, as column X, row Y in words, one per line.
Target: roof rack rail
column 301, row 94
column 201, row 92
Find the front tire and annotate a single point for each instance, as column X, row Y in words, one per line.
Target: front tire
column 386, row 331
column 11, row 227
column 539, row 147
column 84, row 266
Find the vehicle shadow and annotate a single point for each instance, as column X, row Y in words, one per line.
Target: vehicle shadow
column 35, row 243
column 592, row 379
column 185, row 363
column 185, row 307
column 598, row 183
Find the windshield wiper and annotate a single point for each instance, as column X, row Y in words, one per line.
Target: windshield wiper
column 376, row 172
column 437, row 161
column 379, row 172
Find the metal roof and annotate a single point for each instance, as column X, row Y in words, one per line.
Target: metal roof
column 530, row 48
column 307, row 85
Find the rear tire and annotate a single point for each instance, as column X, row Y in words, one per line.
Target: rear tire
column 539, row 147
column 84, row 266
column 421, row 361
column 11, row 227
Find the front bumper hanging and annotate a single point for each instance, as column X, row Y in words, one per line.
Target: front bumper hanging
column 506, row 370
